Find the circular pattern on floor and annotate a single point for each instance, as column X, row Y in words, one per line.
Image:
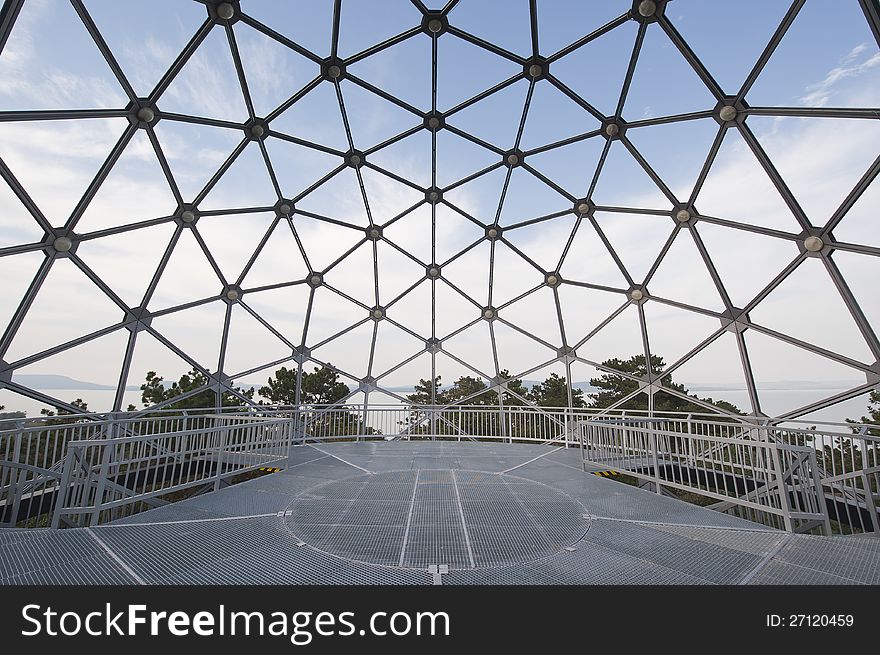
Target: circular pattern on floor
column 418, row 518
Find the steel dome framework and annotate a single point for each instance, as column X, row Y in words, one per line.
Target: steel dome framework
column 731, row 111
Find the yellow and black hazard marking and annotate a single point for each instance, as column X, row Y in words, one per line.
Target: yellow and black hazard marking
column 606, row 474
column 269, row 469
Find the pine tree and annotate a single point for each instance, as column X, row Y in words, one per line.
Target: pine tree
column 553, row 392
column 321, row 387
column 154, row 391
column 616, row 387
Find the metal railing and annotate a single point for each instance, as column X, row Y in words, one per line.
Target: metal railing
column 88, row 469
column 849, row 470
column 107, row 478
column 797, row 479
column 33, row 454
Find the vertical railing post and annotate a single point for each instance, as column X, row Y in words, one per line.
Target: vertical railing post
column 104, row 474
column 290, row 430
column 654, row 456
column 15, row 482
column 223, row 437
column 779, row 475
column 652, row 431
column 502, row 427
column 17, row 488
column 512, row 418
column 569, row 429
column 364, row 417
column 63, row 488
column 581, row 439
column 870, row 505
column 819, row 490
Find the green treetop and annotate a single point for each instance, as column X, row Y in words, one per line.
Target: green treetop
column 613, row 388
column 423, row 392
column 873, row 413
column 154, row 391
column 553, row 392
column 321, row 387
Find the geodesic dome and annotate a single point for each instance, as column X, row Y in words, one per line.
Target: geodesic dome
column 408, row 189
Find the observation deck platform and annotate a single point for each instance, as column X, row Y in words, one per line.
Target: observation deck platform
column 423, row 513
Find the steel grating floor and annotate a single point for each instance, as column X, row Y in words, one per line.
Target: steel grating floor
column 433, row 513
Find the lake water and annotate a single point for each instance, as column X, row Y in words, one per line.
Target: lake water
column 779, row 401
column 774, row 401
column 98, row 400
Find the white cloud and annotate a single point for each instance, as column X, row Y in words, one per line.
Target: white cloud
column 852, row 65
column 35, row 74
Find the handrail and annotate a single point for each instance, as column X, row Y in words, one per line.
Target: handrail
column 734, row 461
column 796, row 479
column 94, row 418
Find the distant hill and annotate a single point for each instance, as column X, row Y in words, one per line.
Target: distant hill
column 48, row 381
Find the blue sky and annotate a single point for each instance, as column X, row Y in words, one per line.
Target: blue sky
column 827, row 59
